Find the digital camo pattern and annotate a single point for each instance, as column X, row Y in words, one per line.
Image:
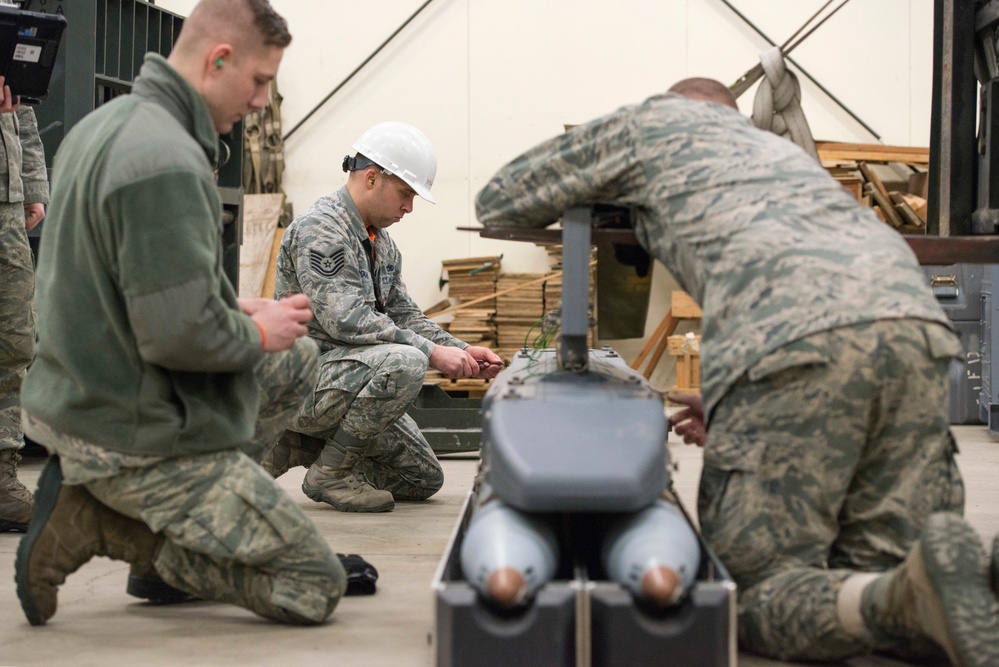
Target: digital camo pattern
column 23, row 177
column 323, row 256
column 17, row 320
column 770, row 246
column 375, row 344
column 285, row 380
column 232, row 534
column 794, row 499
column 942, row 592
column 366, row 391
column 775, row 251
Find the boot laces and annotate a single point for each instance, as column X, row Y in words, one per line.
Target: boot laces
column 9, row 459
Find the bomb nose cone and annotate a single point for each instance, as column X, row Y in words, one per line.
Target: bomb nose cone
column 661, row 585
column 506, row 586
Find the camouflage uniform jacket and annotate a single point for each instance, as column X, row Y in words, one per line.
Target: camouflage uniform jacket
column 753, row 228
column 324, row 255
column 142, row 345
column 22, row 164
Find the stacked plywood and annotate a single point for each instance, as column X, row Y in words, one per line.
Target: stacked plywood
column 469, row 279
column 860, row 168
column 518, row 311
column 474, row 326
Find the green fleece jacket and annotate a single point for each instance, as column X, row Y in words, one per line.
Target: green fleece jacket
column 142, row 347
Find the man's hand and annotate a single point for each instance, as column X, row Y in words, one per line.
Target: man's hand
column 689, row 422
column 488, row 365
column 8, row 102
column 453, row 363
column 33, row 214
column 282, row 322
column 251, row 306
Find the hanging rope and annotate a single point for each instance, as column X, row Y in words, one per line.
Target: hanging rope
column 754, row 74
column 777, row 106
column 263, row 145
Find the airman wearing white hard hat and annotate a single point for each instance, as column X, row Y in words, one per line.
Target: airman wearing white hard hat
column 399, row 149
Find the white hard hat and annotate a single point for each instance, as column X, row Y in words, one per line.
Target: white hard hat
column 401, row 150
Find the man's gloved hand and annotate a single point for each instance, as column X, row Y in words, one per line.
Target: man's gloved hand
column 361, row 575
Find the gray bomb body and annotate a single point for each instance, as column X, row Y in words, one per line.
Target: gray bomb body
column 654, row 553
column 584, row 445
column 507, row 555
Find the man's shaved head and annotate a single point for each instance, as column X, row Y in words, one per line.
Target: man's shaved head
column 707, row 90
column 229, row 51
column 246, row 24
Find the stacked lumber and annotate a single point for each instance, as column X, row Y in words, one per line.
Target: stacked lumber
column 471, row 278
column 855, row 167
column 465, row 387
column 518, row 311
column 474, row 326
column 467, row 279
column 837, row 152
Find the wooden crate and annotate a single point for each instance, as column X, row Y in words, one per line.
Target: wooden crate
column 686, row 349
column 683, row 306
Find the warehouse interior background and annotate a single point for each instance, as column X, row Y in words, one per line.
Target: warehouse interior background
column 487, row 79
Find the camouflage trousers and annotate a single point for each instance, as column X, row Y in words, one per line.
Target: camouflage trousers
column 17, row 320
column 232, row 535
column 366, row 391
column 826, row 459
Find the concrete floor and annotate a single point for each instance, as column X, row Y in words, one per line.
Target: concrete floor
column 98, row 624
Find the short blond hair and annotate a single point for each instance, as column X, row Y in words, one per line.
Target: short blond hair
column 252, row 23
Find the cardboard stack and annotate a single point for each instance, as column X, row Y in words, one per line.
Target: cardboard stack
column 518, row 311
column 469, row 279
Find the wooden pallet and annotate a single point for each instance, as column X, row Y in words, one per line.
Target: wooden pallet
column 469, row 387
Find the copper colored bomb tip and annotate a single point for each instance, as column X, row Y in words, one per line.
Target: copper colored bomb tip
column 661, row 586
column 506, row 586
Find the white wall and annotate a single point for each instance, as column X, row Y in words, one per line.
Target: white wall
column 487, row 79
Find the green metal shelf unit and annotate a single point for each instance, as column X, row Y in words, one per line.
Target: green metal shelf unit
column 101, row 53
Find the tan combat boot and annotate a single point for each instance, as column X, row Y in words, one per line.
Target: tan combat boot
column 291, row 450
column 332, row 480
column 68, row 528
column 940, row 591
column 15, row 499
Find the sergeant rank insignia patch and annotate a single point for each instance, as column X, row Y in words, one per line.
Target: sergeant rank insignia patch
column 326, row 265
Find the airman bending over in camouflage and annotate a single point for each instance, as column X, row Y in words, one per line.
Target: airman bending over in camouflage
column 829, row 489
column 154, row 386
column 362, row 450
column 24, row 191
